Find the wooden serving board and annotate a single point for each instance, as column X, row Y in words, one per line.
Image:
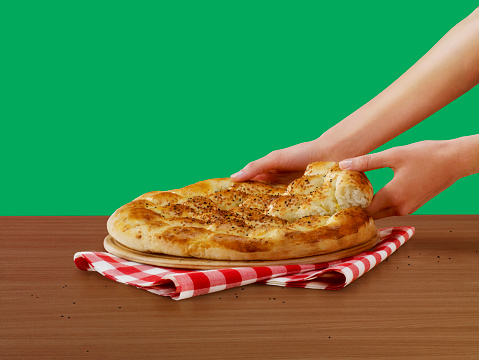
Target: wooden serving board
column 116, row 248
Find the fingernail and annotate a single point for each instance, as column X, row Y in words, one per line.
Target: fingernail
column 237, row 175
column 345, row 164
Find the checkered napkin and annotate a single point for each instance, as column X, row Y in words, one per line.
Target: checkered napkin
column 183, row 284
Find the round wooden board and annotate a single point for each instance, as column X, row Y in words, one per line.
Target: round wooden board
column 120, row 250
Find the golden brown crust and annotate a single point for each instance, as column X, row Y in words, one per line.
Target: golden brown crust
column 219, row 219
column 228, row 199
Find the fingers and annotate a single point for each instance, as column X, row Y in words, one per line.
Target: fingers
column 384, row 213
column 259, row 166
column 383, row 199
column 366, row 162
column 391, row 200
column 281, row 178
column 288, row 160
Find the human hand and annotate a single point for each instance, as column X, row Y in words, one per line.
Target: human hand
column 421, row 171
column 282, row 166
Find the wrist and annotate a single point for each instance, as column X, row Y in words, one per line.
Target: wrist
column 466, row 154
column 326, row 149
column 318, row 150
column 337, row 145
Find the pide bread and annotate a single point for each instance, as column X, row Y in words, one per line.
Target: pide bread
column 319, row 213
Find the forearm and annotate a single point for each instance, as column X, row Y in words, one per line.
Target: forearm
column 466, row 152
column 447, row 71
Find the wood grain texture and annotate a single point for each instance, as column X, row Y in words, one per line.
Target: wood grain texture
column 423, row 303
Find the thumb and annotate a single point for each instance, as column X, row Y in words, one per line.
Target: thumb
column 365, row 162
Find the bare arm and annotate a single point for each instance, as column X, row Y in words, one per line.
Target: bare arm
column 444, row 73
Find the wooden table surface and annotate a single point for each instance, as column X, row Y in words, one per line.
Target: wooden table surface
column 422, row 303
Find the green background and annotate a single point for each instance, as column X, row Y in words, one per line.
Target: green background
column 103, row 101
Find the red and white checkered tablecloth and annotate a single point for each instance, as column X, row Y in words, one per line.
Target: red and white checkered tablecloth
column 182, row 284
